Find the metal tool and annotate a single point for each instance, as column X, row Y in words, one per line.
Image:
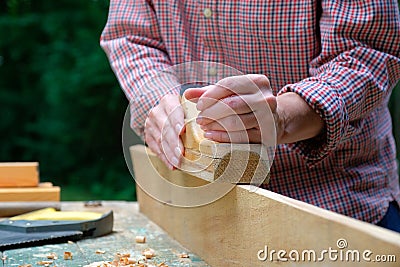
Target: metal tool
column 48, row 226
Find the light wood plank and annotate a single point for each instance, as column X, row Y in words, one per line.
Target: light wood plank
column 234, row 229
column 19, row 174
column 209, row 160
column 44, row 192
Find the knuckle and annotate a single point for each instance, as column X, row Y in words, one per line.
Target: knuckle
column 158, row 140
column 231, row 102
column 164, row 124
column 152, row 114
column 261, row 80
column 227, row 82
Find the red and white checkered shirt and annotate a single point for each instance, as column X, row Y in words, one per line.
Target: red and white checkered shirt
column 342, row 57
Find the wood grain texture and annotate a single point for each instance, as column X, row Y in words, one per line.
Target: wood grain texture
column 212, row 161
column 234, row 229
column 19, row 174
column 43, row 192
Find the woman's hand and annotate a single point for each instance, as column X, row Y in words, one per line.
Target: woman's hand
column 238, row 109
column 242, row 109
column 162, row 130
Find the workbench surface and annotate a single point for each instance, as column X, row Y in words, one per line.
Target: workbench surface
column 128, row 223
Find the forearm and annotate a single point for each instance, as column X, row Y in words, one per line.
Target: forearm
column 296, row 120
column 351, row 77
column 132, row 41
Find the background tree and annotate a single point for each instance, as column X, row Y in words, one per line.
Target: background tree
column 60, row 102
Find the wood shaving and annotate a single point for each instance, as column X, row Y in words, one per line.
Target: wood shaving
column 183, row 255
column 100, row 264
column 148, row 253
column 45, row 263
column 140, row 239
column 118, row 264
column 100, row 251
column 119, row 255
column 52, row 256
column 67, row 255
column 126, row 261
column 25, row 265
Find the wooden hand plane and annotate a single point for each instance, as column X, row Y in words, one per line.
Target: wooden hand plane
column 222, row 162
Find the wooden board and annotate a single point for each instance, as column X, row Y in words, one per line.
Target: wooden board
column 128, row 223
column 238, row 228
column 43, row 192
column 19, row 174
column 11, row 208
column 209, row 160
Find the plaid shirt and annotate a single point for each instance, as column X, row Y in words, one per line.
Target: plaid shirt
column 342, row 57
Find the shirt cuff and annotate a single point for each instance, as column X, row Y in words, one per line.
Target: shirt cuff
column 327, row 102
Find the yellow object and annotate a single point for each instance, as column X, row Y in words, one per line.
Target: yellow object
column 51, row 214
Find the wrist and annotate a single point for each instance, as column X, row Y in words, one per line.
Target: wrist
column 295, row 119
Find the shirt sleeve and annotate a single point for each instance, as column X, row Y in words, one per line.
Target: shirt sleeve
column 134, row 46
column 356, row 70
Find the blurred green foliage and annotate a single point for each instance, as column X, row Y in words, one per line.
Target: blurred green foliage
column 60, row 102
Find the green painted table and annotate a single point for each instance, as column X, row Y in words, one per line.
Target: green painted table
column 128, row 223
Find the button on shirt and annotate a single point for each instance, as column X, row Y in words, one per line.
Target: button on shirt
column 341, row 57
column 207, row 13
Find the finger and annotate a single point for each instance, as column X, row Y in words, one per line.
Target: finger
column 170, row 145
column 233, row 105
column 249, row 136
column 166, row 162
column 152, row 136
column 155, row 119
column 260, row 80
column 234, row 85
column 159, row 120
column 212, row 94
column 175, row 114
column 230, row 123
column 179, row 151
column 240, row 85
column 193, row 94
column 155, row 147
